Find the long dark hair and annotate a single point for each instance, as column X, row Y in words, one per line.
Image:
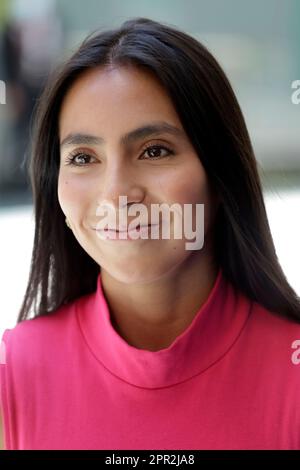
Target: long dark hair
column 61, row 270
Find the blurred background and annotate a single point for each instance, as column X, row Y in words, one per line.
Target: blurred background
column 257, row 44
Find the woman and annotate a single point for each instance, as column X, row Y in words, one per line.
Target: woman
column 141, row 343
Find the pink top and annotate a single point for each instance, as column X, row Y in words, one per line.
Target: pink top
column 231, row 380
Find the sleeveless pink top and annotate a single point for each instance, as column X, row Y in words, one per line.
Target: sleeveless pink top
column 231, row 380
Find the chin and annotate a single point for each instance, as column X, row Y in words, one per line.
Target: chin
column 142, row 273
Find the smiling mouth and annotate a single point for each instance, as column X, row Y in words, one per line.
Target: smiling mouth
column 137, row 228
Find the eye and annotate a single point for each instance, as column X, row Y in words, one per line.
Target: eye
column 82, row 158
column 71, row 159
column 155, row 150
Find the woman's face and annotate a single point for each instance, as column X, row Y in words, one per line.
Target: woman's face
column 107, row 104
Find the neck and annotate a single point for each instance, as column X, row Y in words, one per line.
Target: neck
column 151, row 315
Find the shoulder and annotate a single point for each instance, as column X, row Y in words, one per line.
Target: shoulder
column 45, row 335
column 278, row 326
column 275, row 338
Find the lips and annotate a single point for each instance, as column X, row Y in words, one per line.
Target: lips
column 138, row 227
column 113, row 229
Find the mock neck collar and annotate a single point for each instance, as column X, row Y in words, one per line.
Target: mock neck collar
column 212, row 332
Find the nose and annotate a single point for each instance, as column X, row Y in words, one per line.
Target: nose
column 120, row 186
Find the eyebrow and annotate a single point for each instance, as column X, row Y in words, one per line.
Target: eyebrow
column 147, row 130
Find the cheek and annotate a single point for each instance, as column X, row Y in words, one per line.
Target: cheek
column 185, row 185
column 189, row 186
column 72, row 194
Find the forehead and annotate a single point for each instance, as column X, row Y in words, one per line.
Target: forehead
column 107, row 98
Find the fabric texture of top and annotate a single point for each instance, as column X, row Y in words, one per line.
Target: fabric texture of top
column 230, row 380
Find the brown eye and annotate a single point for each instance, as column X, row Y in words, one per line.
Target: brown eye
column 155, row 152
